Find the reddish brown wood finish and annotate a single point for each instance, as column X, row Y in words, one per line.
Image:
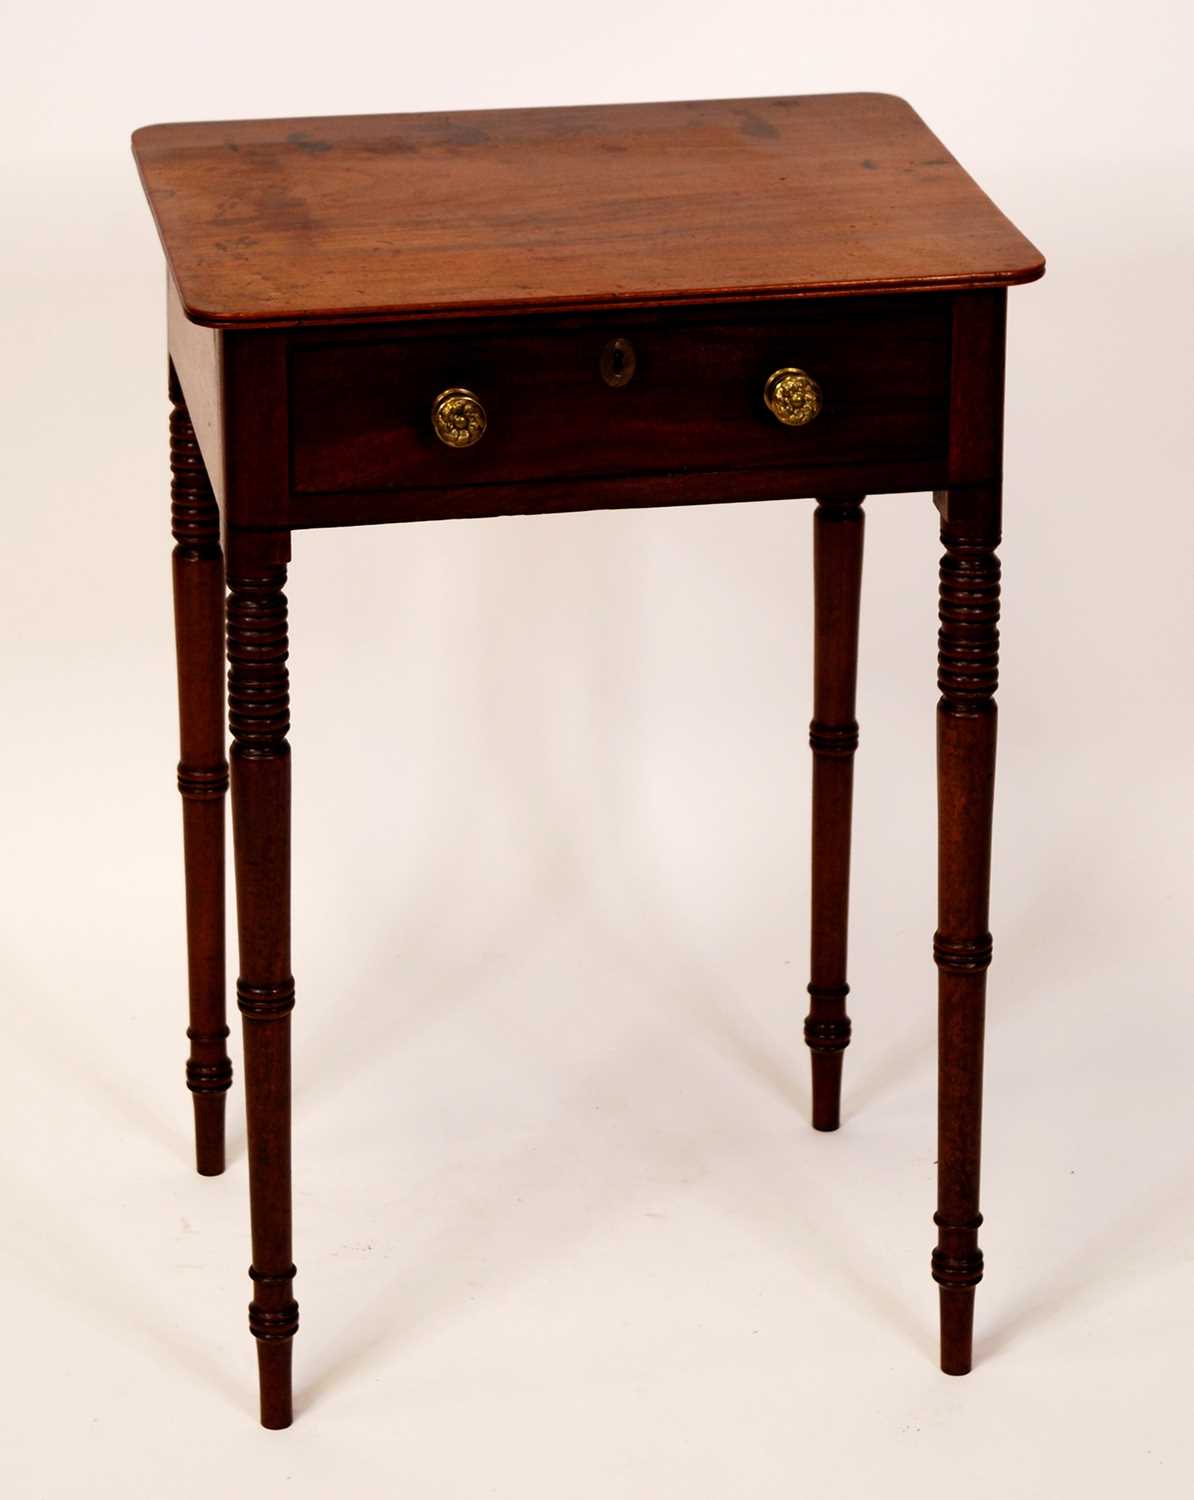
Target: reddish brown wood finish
column 628, row 492
column 966, row 723
column 503, row 251
column 360, row 407
column 838, row 525
column 198, row 566
column 259, row 717
column 368, row 217
column 967, row 675
column 352, row 408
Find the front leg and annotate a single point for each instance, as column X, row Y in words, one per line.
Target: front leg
column 968, row 670
column 259, row 717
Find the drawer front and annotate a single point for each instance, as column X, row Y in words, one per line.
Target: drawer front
column 361, row 408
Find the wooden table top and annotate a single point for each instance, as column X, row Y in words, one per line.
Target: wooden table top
column 355, row 218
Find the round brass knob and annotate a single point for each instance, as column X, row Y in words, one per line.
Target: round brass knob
column 792, row 397
column 458, row 417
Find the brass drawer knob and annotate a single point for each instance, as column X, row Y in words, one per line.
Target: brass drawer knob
column 458, row 417
column 792, row 397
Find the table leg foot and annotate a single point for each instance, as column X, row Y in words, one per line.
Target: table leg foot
column 274, row 1378
column 827, row 1090
column 209, row 1134
column 957, row 1329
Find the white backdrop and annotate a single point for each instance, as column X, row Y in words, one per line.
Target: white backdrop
column 562, row 1228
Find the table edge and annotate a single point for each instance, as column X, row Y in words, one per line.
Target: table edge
column 563, row 306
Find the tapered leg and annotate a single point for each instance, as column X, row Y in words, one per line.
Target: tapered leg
column 833, row 734
column 968, row 664
column 202, row 773
column 259, row 716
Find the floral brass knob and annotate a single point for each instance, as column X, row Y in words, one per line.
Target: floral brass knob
column 792, row 397
column 458, row 417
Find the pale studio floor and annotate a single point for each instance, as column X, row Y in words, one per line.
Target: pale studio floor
column 562, row 1228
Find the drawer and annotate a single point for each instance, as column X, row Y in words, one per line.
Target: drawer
column 361, row 406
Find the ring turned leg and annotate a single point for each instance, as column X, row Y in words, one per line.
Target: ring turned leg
column 259, row 715
column 968, row 665
column 838, row 526
column 198, row 566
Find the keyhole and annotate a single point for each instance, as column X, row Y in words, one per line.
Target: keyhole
column 617, row 362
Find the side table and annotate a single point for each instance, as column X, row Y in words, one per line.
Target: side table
column 396, row 318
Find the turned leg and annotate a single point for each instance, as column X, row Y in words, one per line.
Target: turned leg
column 833, row 734
column 968, row 664
column 202, row 773
column 259, row 716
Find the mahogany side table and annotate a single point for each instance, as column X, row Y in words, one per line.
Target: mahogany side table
column 397, row 318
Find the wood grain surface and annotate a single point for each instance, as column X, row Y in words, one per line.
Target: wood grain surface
column 360, row 404
column 278, row 222
column 506, row 251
